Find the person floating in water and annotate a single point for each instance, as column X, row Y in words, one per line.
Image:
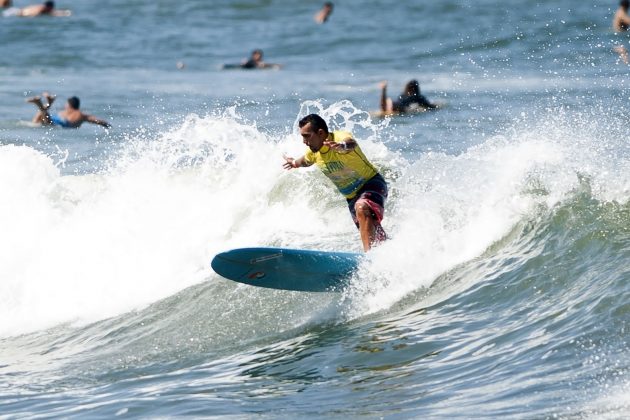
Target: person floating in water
column 256, row 62
column 323, row 15
column 45, row 9
column 70, row 117
column 409, row 101
column 621, row 23
column 340, row 158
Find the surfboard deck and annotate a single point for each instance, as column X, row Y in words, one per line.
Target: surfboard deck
column 288, row 269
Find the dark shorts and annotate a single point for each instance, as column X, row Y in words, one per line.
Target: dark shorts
column 374, row 194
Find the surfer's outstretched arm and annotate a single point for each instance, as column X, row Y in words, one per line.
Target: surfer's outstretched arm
column 291, row 163
column 383, row 96
column 387, row 105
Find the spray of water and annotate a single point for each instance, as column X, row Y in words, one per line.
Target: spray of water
column 83, row 248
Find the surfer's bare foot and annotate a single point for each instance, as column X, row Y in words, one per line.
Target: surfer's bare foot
column 37, row 101
column 50, row 98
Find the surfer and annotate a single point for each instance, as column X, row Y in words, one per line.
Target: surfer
column 409, row 101
column 47, row 8
column 70, row 117
column 256, row 62
column 340, row 158
column 323, row 15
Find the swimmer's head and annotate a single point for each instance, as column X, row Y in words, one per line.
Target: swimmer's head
column 625, row 4
column 257, row 55
column 74, row 102
column 49, row 5
column 412, row 87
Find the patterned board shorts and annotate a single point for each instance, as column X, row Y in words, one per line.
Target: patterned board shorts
column 374, row 194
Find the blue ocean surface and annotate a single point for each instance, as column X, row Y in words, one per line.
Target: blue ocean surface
column 502, row 293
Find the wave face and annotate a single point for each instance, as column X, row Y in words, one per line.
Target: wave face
column 503, row 288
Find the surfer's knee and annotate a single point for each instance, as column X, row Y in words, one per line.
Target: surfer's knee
column 362, row 209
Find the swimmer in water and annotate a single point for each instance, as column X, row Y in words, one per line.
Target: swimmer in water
column 256, row 62
column 409, row 101
column 323, row 15
column 45, row 9
column 70, row 117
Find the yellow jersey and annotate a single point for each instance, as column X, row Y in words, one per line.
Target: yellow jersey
column 349, row 171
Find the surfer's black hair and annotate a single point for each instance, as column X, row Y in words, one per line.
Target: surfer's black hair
column 316, row 122
column 74, row 102
column 412, row 88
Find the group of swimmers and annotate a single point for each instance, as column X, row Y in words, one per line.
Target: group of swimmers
column 71, row 116
column 337, row 154
column 410, row 100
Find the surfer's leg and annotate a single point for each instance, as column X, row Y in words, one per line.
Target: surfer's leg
column 42, row 116
column 49, row 99
column 367, row 210
column 368, row 215
column 379, row 233
column 367, row 228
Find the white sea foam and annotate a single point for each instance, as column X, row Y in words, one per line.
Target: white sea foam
column 450, row 209
column 82, row 248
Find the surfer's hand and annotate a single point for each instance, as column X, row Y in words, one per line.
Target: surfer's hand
column 337, row 147
column 290, row 162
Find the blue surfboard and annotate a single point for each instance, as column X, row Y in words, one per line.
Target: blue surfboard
column 288, row 269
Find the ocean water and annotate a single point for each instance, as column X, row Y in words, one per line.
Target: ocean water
column 503, row 292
